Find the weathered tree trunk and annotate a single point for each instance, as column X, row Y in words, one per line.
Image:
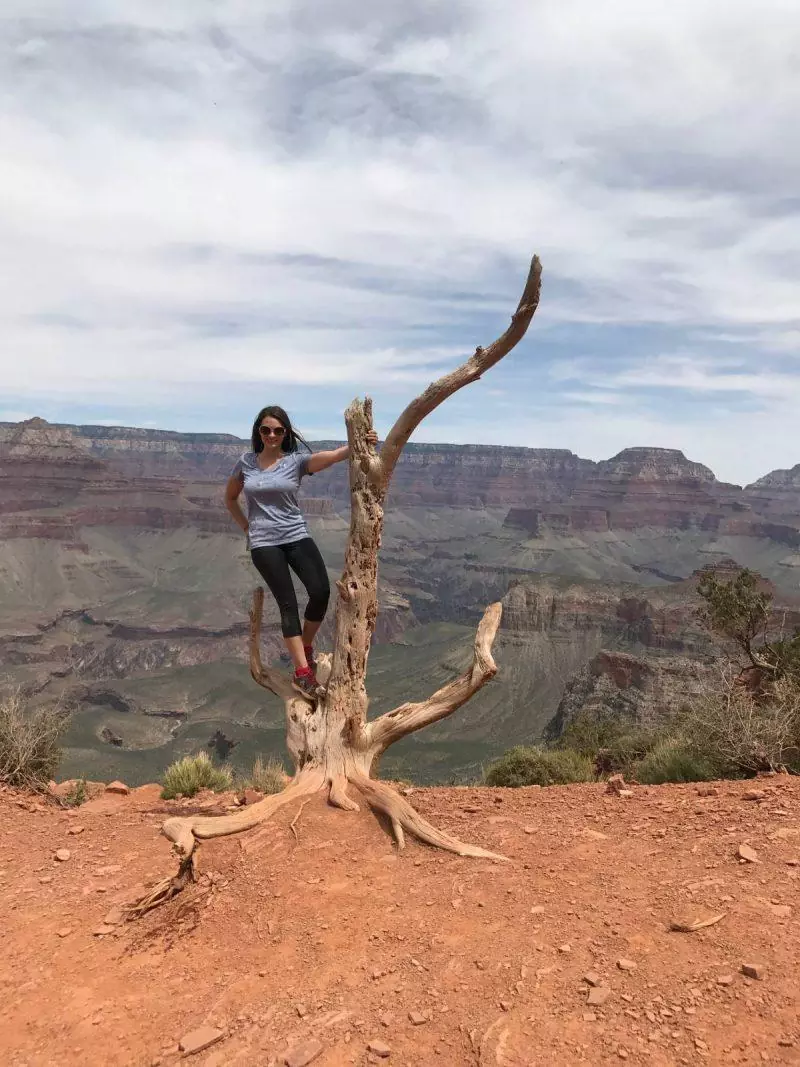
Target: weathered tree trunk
column 330, row 740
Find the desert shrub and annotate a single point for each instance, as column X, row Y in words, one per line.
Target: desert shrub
column 76, row 794
column 530, row 765
column 189, row 775
column 30, row 742
column 615, row 744
column 743, row 732
column 266, row 776
column 674, row 760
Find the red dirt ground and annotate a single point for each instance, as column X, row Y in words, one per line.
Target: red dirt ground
column 335, row 940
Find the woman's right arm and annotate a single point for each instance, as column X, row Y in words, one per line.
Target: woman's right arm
column 233, row 490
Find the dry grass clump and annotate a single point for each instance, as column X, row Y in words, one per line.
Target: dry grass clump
column 30, row 742
column 189, row 775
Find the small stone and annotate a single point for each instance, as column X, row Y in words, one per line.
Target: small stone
column 505, row 1005
column 598, row 995
column 379, row 1048
column 537, row 909
column 417, row 1018
column 706, row 791
column 202, row 1038
column 101, row 931
column 46, row 879
column 783, row 911
column 62, row 855
column 301, row 1010
column 785, row 1042
column 592, row 978
column 565, row 949
column 626, row 794
column 250, row 796
column 589, row 1017
column 114, row 917
column 725, row 979
column 753, row 970
column 748, row 854
column 753, row 794
column 75, row 830
column 626, row 965
column 64, row 932
column 529, row 829
column 119, row 788
column 386, row 1019
column 302, row 1054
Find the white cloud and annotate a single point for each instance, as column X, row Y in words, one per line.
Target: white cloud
column 299, row 192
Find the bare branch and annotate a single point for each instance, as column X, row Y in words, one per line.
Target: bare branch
column 410, row 717
column 468, row 372
column 273, row 680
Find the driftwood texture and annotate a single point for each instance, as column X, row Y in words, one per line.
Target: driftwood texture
column 331, row 742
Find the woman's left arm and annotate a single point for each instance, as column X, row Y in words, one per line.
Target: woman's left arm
column 320, row 461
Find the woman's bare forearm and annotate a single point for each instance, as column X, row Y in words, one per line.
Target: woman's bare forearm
column 237, row 514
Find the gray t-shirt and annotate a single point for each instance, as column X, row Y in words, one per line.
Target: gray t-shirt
column 273, row 514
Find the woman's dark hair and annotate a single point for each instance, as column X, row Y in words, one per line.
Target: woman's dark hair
column 291, row 439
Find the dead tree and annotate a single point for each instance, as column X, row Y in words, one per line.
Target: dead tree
column 330, row 740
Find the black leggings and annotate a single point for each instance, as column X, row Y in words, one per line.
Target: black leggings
column 304, row 558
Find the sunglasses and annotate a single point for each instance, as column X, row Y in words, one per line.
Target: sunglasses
column 268, row 431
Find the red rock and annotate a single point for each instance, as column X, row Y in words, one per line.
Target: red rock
column 417, row 1018
column 118, row 787
column 302, row 1054
column 753, row 970
column 379, row 1048
column 62, row 855
column 202, row 1038
column 626, row 965
column 598, row 995
column 75, row 830
column 746, row 853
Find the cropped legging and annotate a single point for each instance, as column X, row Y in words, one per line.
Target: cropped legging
column 304, row 558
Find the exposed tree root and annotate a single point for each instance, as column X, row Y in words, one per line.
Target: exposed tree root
column 186, row 832
column 381, row 797
column 338, row 797
column 164, row 891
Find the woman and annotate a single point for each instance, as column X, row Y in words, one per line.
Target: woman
column 276, row 531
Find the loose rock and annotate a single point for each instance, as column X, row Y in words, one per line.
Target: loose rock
column 62, row 855
column 117, row 787
column 746, row 853
column 598, row 995
column 417, row 1018
column 593, row 978
column 378, row 1048
column 753, row 970
column 626, row 965
column 202, row 1038
column 304, row 1053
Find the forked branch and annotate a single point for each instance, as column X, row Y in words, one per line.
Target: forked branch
column 275, row 681
column 484, row 358
column 410, row 717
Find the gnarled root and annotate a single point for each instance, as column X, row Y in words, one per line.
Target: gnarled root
column 402, row 816
column 185, row 832
column 338, row 797
column 165, row 890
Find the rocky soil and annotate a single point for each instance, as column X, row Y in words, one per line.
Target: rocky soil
column 312, row 940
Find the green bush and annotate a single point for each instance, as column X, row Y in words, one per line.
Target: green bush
column 530, row 765
column 193, row 773
column 30, row 743
column 76, row 794
column 266, row 777
column 674, row 760
column 615, row 744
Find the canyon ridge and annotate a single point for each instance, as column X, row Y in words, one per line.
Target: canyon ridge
column 124, row 588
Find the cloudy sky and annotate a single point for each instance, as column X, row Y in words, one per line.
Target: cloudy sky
column 206, row 206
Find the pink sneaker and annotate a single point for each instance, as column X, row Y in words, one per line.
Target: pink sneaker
column 305, row 682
